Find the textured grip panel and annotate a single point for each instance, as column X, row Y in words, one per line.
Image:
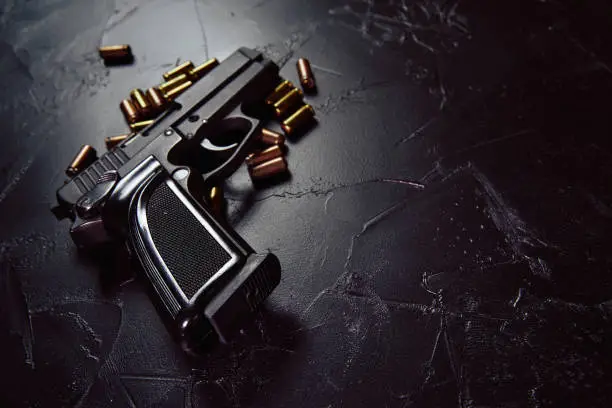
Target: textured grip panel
column 190, row 252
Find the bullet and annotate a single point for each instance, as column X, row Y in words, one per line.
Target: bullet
column 138, row 126
column 281, row 90
column 157, row 99
column 113, row 141
column 300, row 118
column 264, row 156
column 201, row 70
column 268, row 169
column 305, row 73
column 174, row 92
column 173, row 83
column 86, row 156
column 184, row 68
column 288, row 102
column 116, row 53
column 271, row 137
column 216, row 201
column 129, row 111
column 141, row 102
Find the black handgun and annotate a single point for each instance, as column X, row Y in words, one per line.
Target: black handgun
column 148, row 191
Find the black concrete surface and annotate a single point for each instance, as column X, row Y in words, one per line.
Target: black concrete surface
column 444, row 234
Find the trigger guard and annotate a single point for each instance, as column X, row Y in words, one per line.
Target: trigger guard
column 241, row 150
column 208, row 145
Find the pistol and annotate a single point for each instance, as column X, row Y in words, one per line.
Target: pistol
column 149, row 191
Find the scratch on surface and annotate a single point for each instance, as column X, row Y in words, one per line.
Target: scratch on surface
column 413, row 184
column 518, row 297
column 88, row 353
column 601, row 207
column 435, row 173
column 353, row 95
column 13, row 293
column 127, row 394
column 442, row 90
column 15, row 179
column 202, row 30
column 329, row 381
column 35, row 101
column 342, row 282
column 326, row 70
column 310, row 328
column 591, row 54
column 457, row 371
column 121, row 18
column 21, row 320
column 329, row 197
column 325, row 191
column 283, row 52
column 394, row 22
column 418, row 132
column 422, row 43
column 324, row 259
column 150, row 377
column 434, row 350
column 517, row 233
column 496, row 140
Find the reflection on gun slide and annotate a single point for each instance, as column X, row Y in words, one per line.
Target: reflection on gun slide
column 148, row 191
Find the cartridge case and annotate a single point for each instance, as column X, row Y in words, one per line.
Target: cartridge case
column 129, row 110
column 302, row 117
column 268, row 169
column 184, row 68
column 264, row 156
column 175, row 92
column 142, row 103
column 281, row 90
column 271, row 137
column 173, row 83
column 306, row 76
column 86, row 156
column 284, row 105
column 113, row 141
column 138, row 126
column 115, row 54
column 201, row 70
column 216, row 200
column 157, row 99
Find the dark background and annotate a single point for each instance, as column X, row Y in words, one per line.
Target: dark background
column 489, row 287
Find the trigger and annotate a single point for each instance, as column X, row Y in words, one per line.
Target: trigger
column 208, row 145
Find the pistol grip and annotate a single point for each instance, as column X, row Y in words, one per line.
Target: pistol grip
column 206, row 277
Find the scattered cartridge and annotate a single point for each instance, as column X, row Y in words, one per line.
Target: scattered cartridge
column 264, row 156
column 306, row 77
column 113, row 141
column 301, row 118
column 157, row 99
column 142, row 103
column 86, row 156
column 201, row 70
column 288, row 102
column 174, row 92
column 216, row 201
column 268, row 169
column 116, row 54
column 270, row 137
column 173, row 83
column 129, row 110
column 138, row 126
column 184, row 68
column 281, row 90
